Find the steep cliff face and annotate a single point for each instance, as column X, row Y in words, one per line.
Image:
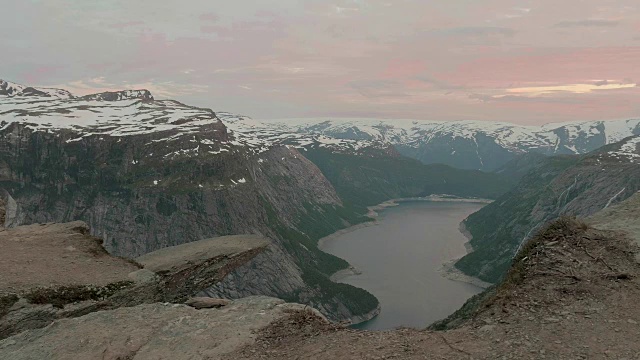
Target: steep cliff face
column 568, row 185
column 147, row 174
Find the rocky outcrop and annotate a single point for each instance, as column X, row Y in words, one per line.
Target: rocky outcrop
column 151, row 331
column 120, row 95
column 58, row 271
column 55, row 255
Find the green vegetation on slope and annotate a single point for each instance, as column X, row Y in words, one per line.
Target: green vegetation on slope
column 372, row 178
column 317, row 266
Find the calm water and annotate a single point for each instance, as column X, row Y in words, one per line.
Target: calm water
column 400, row 257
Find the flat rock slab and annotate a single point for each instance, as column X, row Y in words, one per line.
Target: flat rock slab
column 207, row 302
column 150, row 331
column 182, row 256
column 55, row 255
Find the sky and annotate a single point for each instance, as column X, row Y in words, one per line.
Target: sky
column 526, row 61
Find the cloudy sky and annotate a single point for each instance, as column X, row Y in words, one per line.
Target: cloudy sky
column 527, row 61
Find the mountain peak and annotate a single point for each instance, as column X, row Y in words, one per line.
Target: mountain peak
column 10, row 89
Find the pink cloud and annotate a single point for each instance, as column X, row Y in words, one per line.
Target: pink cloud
column 549, row 67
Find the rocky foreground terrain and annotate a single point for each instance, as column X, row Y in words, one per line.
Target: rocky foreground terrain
column 570, row 293
column 56, row 271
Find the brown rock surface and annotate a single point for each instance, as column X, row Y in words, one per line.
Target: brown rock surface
column 50, row 255
column 56, row 271
column 177, row 258
column 150, row 332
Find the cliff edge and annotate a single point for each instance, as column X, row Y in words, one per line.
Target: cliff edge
column 58, row 271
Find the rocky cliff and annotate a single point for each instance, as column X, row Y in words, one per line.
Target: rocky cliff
column 566, row 185
column 57, row 271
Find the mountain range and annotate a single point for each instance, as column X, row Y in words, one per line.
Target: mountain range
column 479, row 145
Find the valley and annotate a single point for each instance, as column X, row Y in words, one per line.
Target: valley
column 147, row 176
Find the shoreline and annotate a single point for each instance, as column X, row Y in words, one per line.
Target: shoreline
column 467, row 245
column 344, row 273
column 449, row 271
column 446, row 270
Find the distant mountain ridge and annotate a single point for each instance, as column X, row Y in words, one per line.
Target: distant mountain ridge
column 11, row 89
column 462, row 144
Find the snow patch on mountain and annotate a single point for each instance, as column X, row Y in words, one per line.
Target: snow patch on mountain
column 114, row 118
column 120, row 113
column 628, row 151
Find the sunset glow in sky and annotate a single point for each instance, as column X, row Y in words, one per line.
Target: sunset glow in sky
column 527, row 62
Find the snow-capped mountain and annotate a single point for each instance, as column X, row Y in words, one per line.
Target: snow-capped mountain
column 9, row 89
column 191, row 130
column 146, row 174
column 462, row 144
